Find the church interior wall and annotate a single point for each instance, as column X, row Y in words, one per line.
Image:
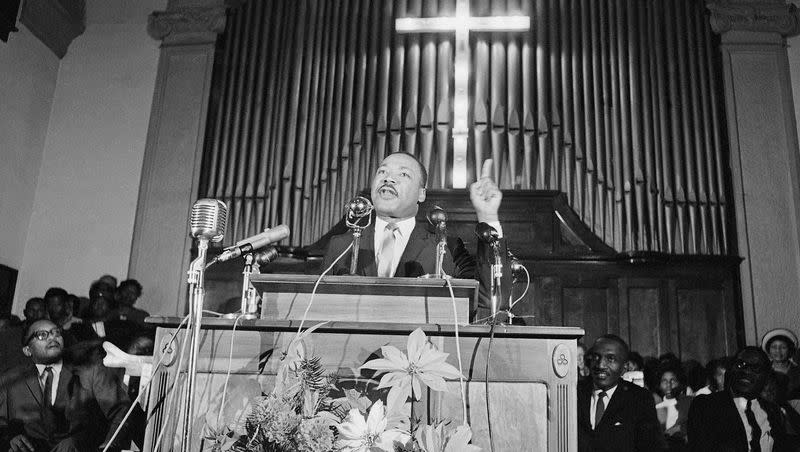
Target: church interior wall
column 85, row 201
column 28, row 72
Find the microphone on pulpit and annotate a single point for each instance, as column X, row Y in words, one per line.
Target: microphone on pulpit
column 488, row 234
column 358, row 215
column 438, row 218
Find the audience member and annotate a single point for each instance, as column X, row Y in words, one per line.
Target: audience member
column 695, row 376
column 109, row 281
column 103, row 319
column 672, row 405
column 780, row 345
column 48, row 404
column 613, row 414
column 583, row 369
column 715, row 376
column 126, row 295
column 34, row 310
column 738, row 418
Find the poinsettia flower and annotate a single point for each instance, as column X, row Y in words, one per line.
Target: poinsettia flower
column 405, row 374
column 357, row 434
column 433, row 439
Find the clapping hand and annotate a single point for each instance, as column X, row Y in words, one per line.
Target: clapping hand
column 485, row 195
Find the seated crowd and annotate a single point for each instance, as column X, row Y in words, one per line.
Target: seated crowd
column 55, row 392
column 747, row 402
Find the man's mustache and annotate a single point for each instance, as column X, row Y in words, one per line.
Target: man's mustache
column 388, row 187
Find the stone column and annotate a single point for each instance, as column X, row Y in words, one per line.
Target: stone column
column 160, row 252
column 764, row 159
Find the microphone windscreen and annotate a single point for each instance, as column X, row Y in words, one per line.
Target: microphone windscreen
column 208, row 219
column 486, row 232
column 437, row 215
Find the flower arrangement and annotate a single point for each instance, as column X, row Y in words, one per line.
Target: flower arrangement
column 302, row 414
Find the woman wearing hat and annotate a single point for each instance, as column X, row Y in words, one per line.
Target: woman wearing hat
column 780, row 344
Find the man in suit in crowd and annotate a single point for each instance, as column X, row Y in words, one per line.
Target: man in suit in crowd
column 47, row 404
column 396, row 245
column 613, row 414
column 737, row 419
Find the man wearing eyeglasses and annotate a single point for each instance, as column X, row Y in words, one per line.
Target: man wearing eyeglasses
column 47, row 404
column 737, row 419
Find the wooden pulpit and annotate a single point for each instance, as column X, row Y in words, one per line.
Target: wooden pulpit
column 531, row 374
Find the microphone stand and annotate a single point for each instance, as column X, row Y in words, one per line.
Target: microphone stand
column 497, row 278
column 356, row 247
column 249, row 294
column 196, row 294
column 441, row 249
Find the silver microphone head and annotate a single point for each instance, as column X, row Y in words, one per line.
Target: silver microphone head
column 208, row 219
column 357, row 209
column 437, row 216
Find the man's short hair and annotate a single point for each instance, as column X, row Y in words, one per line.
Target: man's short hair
column 32, row 301
column 55, row 292
column 614, row 338
column 133, row 283
column 423, row 173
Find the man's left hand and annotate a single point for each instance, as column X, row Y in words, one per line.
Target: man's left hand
column 485, row 195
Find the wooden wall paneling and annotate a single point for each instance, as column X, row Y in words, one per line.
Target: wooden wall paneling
column 646, row 317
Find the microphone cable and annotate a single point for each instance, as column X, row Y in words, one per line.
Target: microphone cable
column 458, row 348
column 316, row 284
column 147, row 386
column 486, row 384
column 230, row 365
column 171, row 395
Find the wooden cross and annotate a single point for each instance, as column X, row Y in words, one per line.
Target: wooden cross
column 462, row 23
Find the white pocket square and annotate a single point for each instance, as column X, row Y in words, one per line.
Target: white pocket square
column 617, row 423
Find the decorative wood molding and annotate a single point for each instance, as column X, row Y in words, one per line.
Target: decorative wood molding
column 55, row 23
column 161, row 24
column 763, row 16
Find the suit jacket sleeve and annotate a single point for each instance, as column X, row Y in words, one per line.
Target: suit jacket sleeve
column 113, row 401
column 697, row 426
column 648, row 430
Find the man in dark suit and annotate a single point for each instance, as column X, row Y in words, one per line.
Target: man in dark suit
column 50, row 405
column 614, row 415
column 396, row 245
column 737, row 419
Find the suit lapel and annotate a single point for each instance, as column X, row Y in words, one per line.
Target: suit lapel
column 63, row 384
column 366, row 254
column 32, row 381
column 732, row 418
column 584, row 405
column 417, row 243
column 617, row 402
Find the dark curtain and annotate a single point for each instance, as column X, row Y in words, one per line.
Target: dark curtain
column 614, row 102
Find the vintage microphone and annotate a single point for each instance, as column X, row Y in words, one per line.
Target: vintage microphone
column 356, row 210
column 488, row 234
column 252, row 261
column 208, row 219
column 438, row 218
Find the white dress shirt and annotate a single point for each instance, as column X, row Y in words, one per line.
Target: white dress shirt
column 593, row 404
column 56, row 375
column 761, row 418
column 403, row 233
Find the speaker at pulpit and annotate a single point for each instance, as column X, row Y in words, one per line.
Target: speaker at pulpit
column 531, row 374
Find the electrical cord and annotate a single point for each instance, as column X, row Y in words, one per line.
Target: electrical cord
column 316, row 284
column 458, row 349
column 147, row 386
column 486, row 382
column 527, row 285
column 171, row 395
column 230, row 364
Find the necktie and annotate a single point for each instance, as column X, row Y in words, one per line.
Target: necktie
column 755, row 436
column 600, row 408
column 386, row 255
column 47, row 385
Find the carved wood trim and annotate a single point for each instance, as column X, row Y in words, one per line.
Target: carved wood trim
column 161, row 24
column 757, row 16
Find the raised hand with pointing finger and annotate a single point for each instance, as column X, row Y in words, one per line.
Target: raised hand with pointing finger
column 485, row 195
